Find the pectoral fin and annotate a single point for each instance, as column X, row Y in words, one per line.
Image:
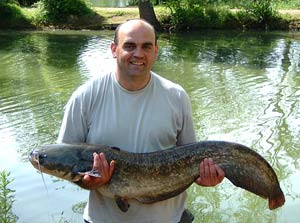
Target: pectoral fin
column 122, row 203
column 93, row 173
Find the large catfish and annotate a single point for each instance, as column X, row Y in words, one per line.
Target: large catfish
column 156, row 176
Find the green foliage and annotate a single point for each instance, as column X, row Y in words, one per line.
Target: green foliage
column 27, row 2
column 9, row 10
column 2, row 2
column 196, row 14
column 133, row 2
column 11, row 16
column 262, row 11
column 180, row 14
column 136, row 2
column 6, row 199
column 288, row 4
column 61, row 10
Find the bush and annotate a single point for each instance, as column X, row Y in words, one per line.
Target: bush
column 11, row 16
column 27, row 2
column 262, row 11
column 186, row 16
column 61, row 10
column 198, row 14
column 2, row 2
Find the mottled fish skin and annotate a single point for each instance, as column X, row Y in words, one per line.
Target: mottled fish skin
column 156, row 176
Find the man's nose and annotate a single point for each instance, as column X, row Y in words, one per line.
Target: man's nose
column 138, row 52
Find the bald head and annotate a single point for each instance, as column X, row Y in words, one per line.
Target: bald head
column 130, row 23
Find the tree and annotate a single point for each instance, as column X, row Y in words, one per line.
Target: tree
column 146, row 11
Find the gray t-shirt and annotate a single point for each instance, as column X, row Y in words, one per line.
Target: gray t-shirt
column 157, row 117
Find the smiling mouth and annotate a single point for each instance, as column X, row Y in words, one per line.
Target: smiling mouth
column 137, row 63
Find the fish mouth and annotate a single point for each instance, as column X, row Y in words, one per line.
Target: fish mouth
column 34, row 158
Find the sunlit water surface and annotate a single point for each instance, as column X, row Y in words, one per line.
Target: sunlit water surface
column 244, row 87
column 110, row 3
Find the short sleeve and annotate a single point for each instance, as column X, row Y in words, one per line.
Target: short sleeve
column 187, row 133
column 74, row 126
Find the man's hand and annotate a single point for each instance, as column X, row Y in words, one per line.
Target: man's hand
column 105, row 170
column 210, row 173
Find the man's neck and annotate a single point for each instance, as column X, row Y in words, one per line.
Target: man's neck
column 133, row 83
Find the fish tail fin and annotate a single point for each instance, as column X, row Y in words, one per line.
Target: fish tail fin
column 276, row 200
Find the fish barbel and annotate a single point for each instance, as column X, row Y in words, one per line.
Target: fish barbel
column 156, row 176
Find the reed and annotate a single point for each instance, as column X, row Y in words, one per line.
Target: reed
column 7, row 199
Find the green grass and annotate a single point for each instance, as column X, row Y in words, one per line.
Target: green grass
column 290, row 4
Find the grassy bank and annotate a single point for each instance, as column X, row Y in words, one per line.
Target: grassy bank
column 109, row 18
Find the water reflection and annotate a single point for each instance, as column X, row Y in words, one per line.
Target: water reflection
column 95, row 58
column 34, row 76
column 245, row 93
column 244, row 87
column 110, row 3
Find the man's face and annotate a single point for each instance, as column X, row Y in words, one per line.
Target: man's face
column 136, row 50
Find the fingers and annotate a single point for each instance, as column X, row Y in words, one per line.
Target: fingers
column 87, row 181
column 220, row 173
column 202, row 170
column 104, row 168
column 100, row 163
column 112, row 167
column 210, row 173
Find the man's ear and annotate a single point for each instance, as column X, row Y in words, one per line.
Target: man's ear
column 113, row 48
column 156, row 51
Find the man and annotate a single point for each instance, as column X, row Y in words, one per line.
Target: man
column 134, row 109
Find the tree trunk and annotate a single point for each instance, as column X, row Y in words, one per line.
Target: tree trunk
column 147, row 12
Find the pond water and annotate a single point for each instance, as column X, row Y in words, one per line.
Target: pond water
column 109, row 3
column 244, row 87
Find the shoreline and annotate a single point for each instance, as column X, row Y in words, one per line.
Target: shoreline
column 108, row 18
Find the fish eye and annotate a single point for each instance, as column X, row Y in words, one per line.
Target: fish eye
column 42, row 156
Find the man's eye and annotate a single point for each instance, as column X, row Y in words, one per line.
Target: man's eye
column 129, row 47
column 148, row 47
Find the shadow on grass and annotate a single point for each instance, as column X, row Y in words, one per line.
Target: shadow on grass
column 92, row 21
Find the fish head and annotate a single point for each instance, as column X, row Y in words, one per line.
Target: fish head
column 36, row 159
column 58, row 162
